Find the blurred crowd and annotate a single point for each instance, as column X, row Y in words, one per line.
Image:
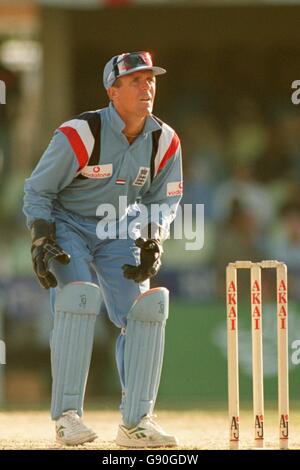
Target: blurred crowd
column 245, row 169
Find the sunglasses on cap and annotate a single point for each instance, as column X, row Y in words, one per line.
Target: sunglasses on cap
column 131, row 61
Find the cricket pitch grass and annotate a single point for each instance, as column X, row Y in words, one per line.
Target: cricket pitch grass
column 196, row 429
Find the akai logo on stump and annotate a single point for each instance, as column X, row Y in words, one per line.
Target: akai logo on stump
column 282, row 304
column 231, row 302
column 234, row 428
column 284, row 427
column 256, row 304
column 175, row 188
column 98, row 171
column 259, row 427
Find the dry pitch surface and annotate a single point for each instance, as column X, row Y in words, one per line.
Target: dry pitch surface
column 196, row 429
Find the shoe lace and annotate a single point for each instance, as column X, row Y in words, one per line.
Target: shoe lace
column 151, row 419
column 74, row 419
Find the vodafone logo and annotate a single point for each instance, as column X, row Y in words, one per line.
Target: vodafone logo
column 98, row 171
column 174, row 188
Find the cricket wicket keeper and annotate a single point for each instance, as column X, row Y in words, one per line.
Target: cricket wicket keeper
column 93, row 160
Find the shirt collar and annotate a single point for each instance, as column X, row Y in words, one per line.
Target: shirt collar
column 118, row 124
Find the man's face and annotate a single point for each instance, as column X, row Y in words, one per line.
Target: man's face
column 135, row 94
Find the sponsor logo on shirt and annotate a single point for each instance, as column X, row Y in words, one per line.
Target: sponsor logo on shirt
column 142, row 176
column 98, row 171
column 174, row 188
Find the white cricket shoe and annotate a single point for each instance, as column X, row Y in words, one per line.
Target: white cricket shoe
column 71, row 431
column 146, row 434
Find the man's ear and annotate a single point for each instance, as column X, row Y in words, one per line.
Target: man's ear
column 112, row 92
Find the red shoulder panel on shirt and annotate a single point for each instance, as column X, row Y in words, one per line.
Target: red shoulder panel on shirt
column 76, row 144
column 170, row 152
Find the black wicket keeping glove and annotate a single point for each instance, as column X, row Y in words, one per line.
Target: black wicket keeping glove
column 151, row 251
column 44, row 249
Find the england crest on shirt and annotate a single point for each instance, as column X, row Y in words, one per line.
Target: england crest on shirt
column 142, row 176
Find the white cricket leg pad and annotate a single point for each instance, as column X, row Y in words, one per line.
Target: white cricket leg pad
column 76, row 308
column 144, row 350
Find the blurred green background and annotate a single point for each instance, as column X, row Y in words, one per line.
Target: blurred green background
column 228, row 94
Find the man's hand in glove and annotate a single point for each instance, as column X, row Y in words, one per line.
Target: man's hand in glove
column 151, row 251
column 44, row 249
